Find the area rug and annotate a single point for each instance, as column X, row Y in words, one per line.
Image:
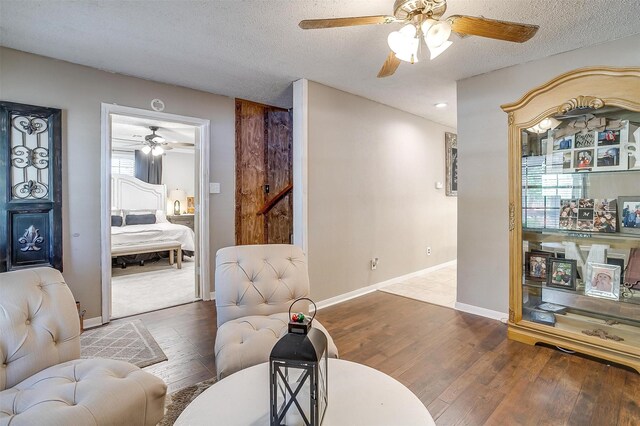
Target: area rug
column 176, row 402
column 125, row 341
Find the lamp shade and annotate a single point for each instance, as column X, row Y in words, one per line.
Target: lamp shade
column 177, row 194
column 404, row 43
column 438, row 33
column 146, row 149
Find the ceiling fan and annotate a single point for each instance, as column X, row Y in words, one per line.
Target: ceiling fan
column 423, row 21
column 157, row 145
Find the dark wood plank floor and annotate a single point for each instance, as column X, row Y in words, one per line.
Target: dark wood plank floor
column 461, row 366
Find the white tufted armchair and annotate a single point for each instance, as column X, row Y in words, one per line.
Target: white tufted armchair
column 42, row 381
column 255, row 285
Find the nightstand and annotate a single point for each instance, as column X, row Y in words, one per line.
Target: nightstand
column 182, row 219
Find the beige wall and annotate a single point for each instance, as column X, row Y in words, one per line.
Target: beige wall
column 78, row 91
column 371, row 183
column 483, row 251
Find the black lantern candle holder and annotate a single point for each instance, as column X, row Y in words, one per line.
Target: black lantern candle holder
column 298, row 373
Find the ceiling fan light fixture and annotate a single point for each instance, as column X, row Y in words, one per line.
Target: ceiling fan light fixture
column 157, row 150
column 427, row 24
column 146, row 149
column 436, row 51
column 404, row 43
column 158, row 139
column 438, row 34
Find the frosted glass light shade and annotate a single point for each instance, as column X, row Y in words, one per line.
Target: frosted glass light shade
column 427, row 24
column 404, row 43
column 436, row 51
column 157, row 151
column 146, row 149
column 438, row 34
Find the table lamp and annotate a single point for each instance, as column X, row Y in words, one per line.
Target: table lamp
column 176, row 195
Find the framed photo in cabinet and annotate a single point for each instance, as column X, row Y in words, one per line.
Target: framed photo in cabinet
column 629, row 208
column 602, row 280
column 562, row 273
column 536, row 265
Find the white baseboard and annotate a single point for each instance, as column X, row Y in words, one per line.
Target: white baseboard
column 477, row 310
column 92, row 322
column 212, row 295
column 373, row 287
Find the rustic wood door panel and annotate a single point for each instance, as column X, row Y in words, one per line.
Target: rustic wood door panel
column 279, row 223
column 250, row 172
column 263, row 169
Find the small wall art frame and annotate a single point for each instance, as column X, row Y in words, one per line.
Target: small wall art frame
column 451, row 164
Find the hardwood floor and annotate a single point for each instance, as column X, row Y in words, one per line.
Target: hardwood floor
column 461, row 366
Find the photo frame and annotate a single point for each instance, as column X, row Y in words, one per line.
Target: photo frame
column 629, row 215
column 451, row 164
column 561, row 273
column 589, row 215
column 191, row 205
column 602, row 280
column 536, row 265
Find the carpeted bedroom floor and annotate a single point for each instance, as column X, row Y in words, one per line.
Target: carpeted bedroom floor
column 156, row 285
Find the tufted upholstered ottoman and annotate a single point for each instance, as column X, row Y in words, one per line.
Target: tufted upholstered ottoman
column 42, row 381
column 255, row 285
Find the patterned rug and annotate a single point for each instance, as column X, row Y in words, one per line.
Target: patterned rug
column 125, row 341
column 177, row 401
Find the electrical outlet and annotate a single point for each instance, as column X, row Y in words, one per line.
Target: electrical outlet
column 428, row 251
column 374, row 263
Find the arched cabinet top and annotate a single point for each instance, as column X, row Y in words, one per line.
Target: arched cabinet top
column 591, row 87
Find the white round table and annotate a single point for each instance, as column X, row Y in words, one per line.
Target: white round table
column 358, row 395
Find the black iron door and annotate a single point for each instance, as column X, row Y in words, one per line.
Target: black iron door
column 30, row 187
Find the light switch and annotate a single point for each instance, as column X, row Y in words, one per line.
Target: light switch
column 439, row 185
column 214, row 188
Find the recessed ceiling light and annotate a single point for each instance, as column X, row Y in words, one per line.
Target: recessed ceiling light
column 441, row 105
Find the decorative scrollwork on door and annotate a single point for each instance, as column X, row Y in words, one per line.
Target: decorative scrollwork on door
column 31, row 239
column 29, row 158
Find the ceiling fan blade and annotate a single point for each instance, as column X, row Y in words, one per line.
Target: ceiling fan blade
column 492, row 28
column 178, row 144
column 390, row 66
column 313, row 24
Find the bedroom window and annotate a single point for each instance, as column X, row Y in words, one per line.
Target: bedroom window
column 122, row 163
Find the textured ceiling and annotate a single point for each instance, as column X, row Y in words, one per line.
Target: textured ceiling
column 254, row 49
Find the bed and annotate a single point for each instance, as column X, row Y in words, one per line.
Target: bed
column 129, row 194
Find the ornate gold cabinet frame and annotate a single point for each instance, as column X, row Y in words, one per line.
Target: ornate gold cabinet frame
column 587, row 88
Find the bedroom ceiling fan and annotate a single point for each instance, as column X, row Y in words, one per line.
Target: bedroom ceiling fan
column 157, row 145
column 423, row 22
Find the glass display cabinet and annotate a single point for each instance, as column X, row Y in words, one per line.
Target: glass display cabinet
column 574, row 214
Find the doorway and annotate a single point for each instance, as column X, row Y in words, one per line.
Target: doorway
column 155, row 169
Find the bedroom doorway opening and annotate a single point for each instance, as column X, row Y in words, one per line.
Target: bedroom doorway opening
column 154, row 206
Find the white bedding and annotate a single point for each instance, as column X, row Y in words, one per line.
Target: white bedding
column 154, row 232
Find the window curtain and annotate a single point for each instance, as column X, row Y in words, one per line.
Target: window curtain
column 148, row 167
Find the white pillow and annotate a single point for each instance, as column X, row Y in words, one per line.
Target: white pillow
column 161, row 217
